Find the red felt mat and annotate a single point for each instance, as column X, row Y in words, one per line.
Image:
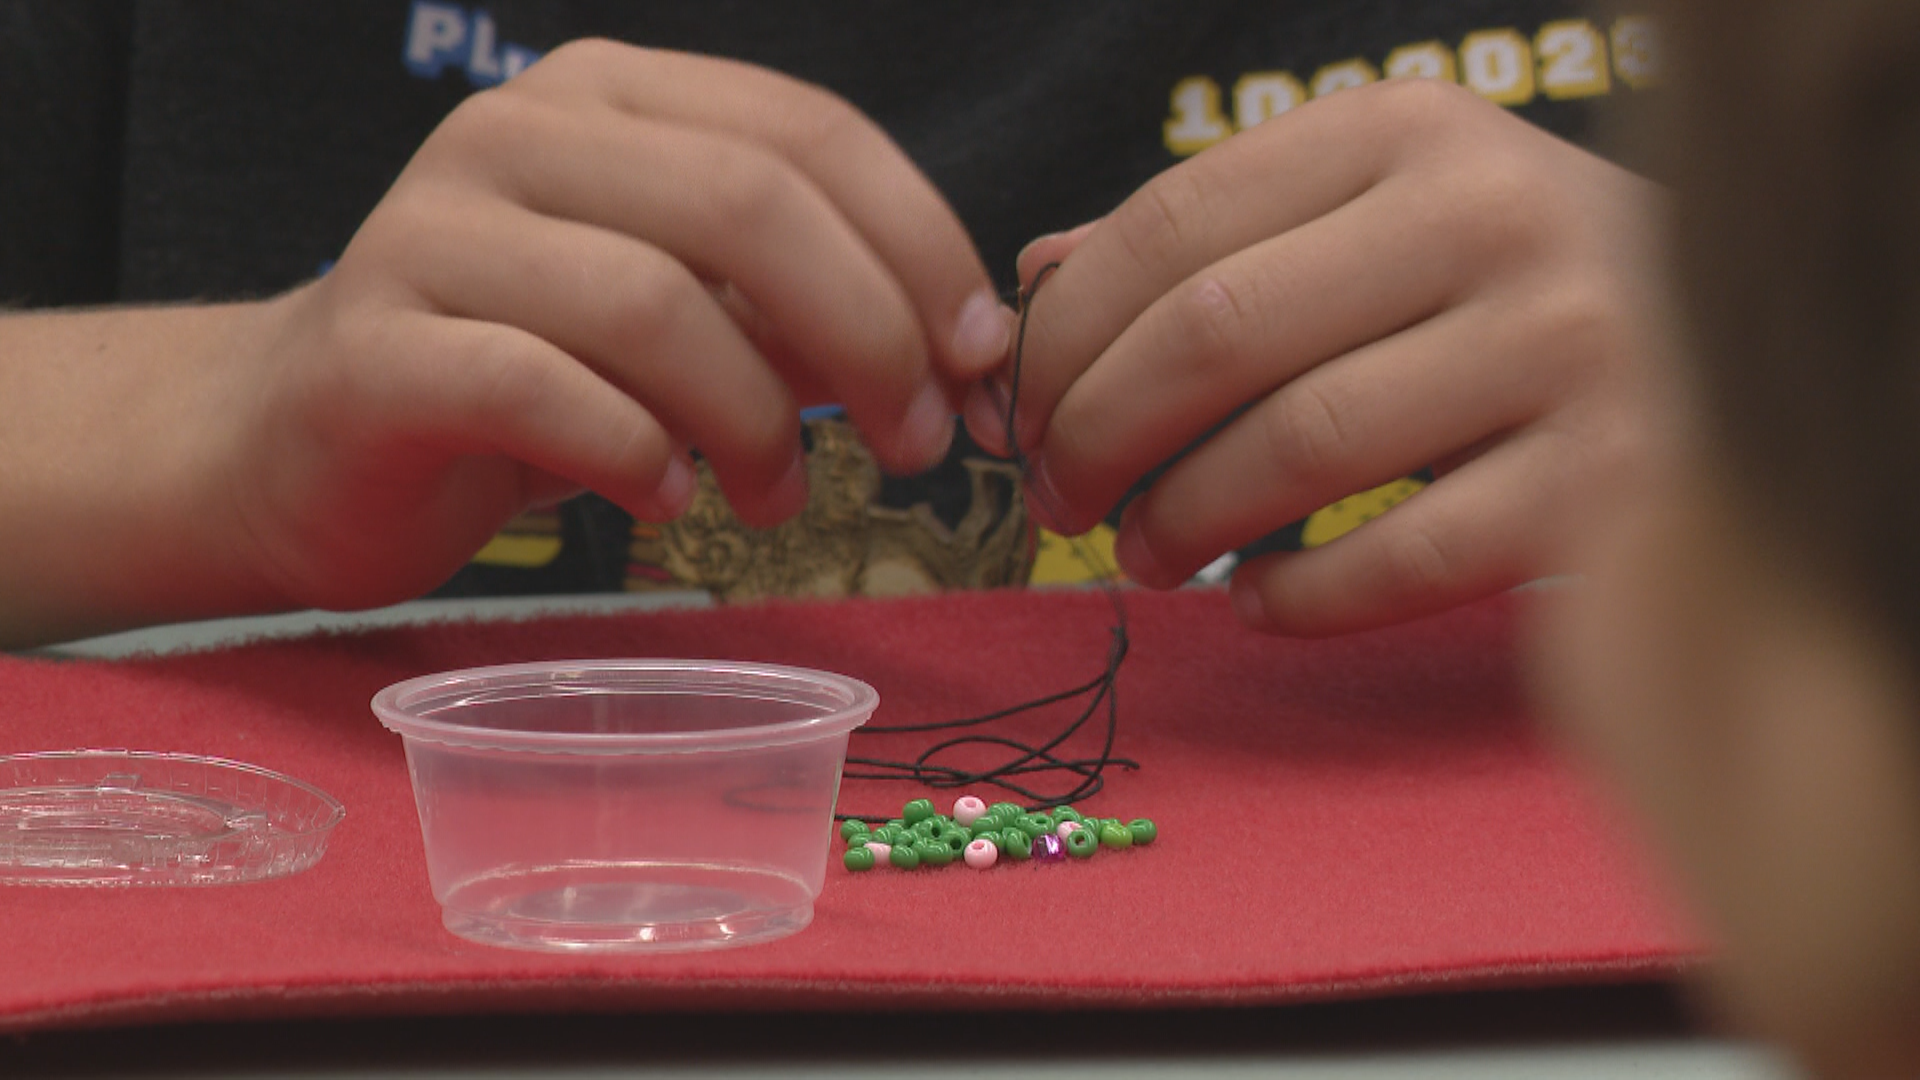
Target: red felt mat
column 1366, row 815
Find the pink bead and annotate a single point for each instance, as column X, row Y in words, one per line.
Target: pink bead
column 968, row 809
column 980, row 854
column 880, row 852
column 1065, row 828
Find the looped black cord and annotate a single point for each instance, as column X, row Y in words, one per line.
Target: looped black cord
column 1018, row 772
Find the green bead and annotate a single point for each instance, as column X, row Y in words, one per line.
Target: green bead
column 956, row 845
column 1081, row 844
column 858, row 858
column 887, row 834
column 1144, row 831
column 991, row 836
column 852, row 828
column 859, row 840
column 917, row 811
column 942, row 827
column 933, row 852
column 1115, row 835
column 1006, row 810
column 904, row 857
column 1035, row 824
column 1066, row 813
column 1018, row 845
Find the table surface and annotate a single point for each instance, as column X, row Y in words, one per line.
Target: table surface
column 1560, row 1034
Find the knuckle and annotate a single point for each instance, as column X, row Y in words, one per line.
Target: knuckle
column 1418, row 563
column 1309, row 432
column 891, row 344
column 1579, row 319
column 1581, row 339
column 1497, row 216
column 1213, row 322
column 1153, row 225
column 1423, row 112
column 771, row 433
column 823, row 125
column 590, row 54
column 746, row 189
column 485, row 121
column 649, row 303
column 503, row 377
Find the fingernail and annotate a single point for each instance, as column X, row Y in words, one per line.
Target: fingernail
column 1021, row 259
column 1074, row 234
column 1131, row 552
column 675, row 492
column 985, row 411
column 1247, row 605
column 981, row 335
column 1043, row 499
column 927, row 431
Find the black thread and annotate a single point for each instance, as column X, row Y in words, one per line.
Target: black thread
column 1027, row 760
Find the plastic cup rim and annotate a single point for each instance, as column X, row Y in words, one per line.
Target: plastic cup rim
column 389, row 706
column 335, row 810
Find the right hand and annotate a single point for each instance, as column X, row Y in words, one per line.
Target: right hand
column 615, row 256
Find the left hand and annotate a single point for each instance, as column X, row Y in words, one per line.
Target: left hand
column 1394, row 277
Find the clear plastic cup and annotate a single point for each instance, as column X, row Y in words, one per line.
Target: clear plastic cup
column 626, row 805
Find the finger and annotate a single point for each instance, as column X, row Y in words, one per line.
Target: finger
column 1469, row 535
column 487, row 388
column 545, row 490
column 1052, row 248
column 639, row 319
column 891, row 203
column 738, row 213
column 1271, row 179
column 1244, row 327
column 987, row 402
column 772, row 347
column 1369, row 417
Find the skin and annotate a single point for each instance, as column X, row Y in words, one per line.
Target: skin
column 1421, row 279
column 617, row 255
column 1766, row 735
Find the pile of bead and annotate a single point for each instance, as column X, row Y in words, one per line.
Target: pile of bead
column 981, row 835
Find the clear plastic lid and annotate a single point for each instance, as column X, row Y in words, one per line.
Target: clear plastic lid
column 124, row 817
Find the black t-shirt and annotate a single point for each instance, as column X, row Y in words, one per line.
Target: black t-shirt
column 171, row 149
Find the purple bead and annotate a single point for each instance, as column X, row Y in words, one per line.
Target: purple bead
column 1048, row 848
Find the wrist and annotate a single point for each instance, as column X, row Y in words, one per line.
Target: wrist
column 116, row 445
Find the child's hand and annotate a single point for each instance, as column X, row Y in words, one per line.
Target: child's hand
column 615, row 256
column 1398, row 276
